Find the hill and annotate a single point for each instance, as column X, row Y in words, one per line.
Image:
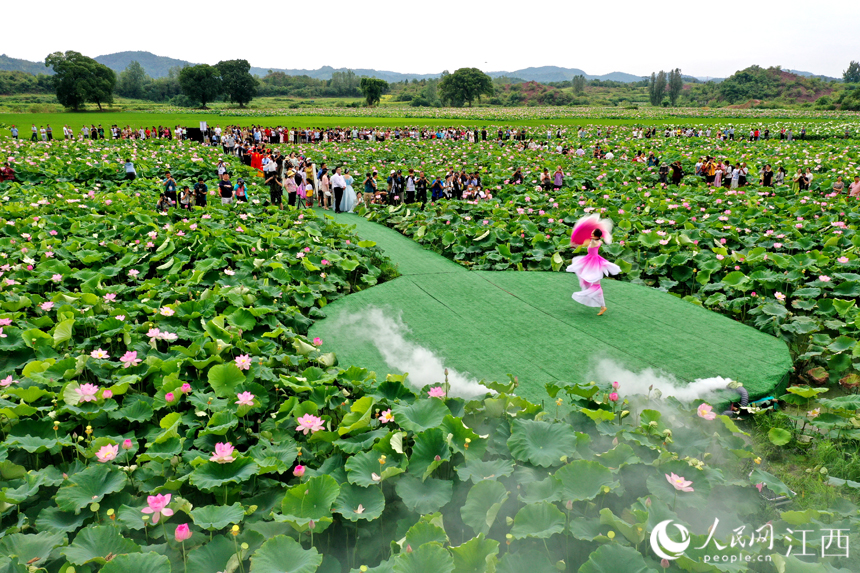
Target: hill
column 325, row 72
column 155, row 66
column 546, row 74
column 811, row 75
column 8, row 64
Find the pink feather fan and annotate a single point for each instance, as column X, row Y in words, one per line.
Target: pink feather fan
column 585, row 227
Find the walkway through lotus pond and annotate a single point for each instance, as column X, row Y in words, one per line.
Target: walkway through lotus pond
column 490, row 324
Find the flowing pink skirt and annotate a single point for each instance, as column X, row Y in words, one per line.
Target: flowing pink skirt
column 590, row 269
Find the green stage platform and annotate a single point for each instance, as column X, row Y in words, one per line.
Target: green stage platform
column 491, row 324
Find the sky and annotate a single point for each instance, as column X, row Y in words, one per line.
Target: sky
column 637, row 37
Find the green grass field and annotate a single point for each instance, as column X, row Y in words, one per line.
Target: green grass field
column 137, row 119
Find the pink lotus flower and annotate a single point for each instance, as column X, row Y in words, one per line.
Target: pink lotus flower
column 824, row 278
column 56, row 278
column 127, row 444
column 107, row 453
column 6, row 382
column 679, row 483
column 223, row 453
column 613, row 396
column 436, row 392
column 107, row 394
column 130, row 359
column 46, row 306
column 843, row 260
column 706, row 411
column 99, row 354
column 759, row 486
column 386, row 417
column 2, row 335
column 87, row 392
column 169, row 397
column 5, row 321
column 243, row 362
column 154, row 333
column 158, row 507
column 245, row 399
column 616, row 385
column 318, row 341
column 185, row 388
column 299, row 471
column 182, row 532
column 166, row 311
column 110, row 297
column 309, row 423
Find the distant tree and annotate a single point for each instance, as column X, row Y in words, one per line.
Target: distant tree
column 132, row 81
column 200, row 83
column 344, row 83
column 676, row 84
column 373, row 88
column 79, row 79
column 657, row 88
column 753, row 82
column 578, row 84
column 237, row 82
column 465, row 85
column 852, row 74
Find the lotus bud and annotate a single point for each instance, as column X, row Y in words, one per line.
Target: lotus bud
column 568, row 504
column 509, row 520
column 625, row 413
column 408, row 548
column 667, row 432
column 561, row 565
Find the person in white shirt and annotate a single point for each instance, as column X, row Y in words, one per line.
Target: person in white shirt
column 338, row 183
column 610, row 155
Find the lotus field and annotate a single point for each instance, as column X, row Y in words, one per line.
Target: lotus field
column 162, row 408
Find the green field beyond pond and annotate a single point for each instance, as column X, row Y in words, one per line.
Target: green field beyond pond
column 146, row 119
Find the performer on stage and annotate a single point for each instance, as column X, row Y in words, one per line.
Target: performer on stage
column 592, row 267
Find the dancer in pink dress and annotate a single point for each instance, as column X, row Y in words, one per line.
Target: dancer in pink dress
column 590, row 269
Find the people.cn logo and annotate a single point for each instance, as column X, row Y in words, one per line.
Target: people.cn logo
column 665, row 547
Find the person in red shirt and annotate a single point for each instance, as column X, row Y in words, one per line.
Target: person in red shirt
column 7, row 173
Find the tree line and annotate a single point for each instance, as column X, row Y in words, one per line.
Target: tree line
column 78, row 80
